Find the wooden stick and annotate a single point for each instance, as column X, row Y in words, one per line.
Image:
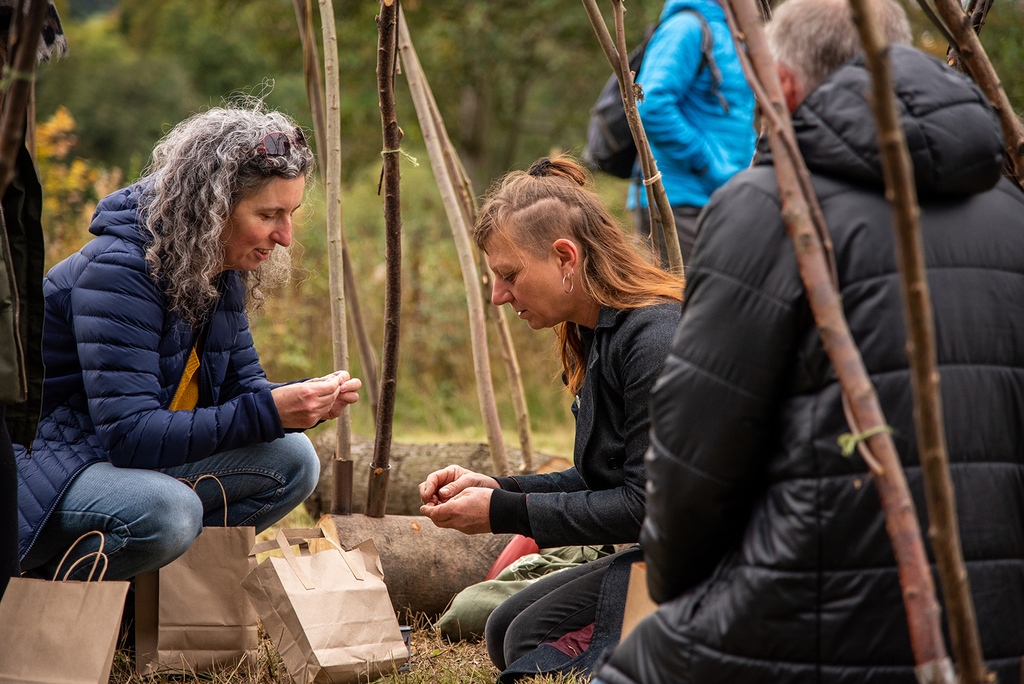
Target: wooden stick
column 418, row 87
column 959, row 25
column 944, row 531
column 315, row 94
column 19, row 74
column 615, row 50
column 387, row 59
column 922, row 609
column 331, row 151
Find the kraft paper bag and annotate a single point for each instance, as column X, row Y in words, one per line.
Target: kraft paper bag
column 192, row 615
column 328, row 613
column 638, row 600
column 60, row 632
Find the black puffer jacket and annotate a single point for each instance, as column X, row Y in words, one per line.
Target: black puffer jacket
column 766, row 547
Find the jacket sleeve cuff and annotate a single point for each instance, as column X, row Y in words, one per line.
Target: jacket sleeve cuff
column 508, row 513
column 509, row 484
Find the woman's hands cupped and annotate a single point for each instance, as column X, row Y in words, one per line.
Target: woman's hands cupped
column 469, row 511
column 442, row 485
column 302, row 405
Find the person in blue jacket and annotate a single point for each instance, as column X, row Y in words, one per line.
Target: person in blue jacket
column 152, row 379
column 697, row 111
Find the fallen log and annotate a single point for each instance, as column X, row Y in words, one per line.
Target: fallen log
column 410, row 465
column 425, row 566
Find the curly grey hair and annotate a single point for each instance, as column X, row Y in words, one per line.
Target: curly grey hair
column 199, row 172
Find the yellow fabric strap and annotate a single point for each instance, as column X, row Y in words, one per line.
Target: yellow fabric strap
column 187, row 395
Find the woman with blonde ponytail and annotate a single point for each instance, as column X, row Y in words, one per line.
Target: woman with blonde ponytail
column 561, row 261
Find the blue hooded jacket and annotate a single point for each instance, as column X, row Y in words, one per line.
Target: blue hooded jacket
column 114, row 356
column 697, row 144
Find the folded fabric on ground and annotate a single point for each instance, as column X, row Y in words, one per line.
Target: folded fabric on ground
column 467, row 615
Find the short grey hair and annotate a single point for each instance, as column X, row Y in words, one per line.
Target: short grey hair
column 816, row 37
column 199, row 172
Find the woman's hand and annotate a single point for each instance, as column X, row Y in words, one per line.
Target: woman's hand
column 442, row 485
column 303, row 404
column 468, row 512
column 348, row 389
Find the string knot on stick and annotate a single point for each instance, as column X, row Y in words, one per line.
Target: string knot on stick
column 412, row 159
column 848, row 441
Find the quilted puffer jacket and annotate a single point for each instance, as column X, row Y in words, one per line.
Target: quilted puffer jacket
column 114, row 356
column 766, row 547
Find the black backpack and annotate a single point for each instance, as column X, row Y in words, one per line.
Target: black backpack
column 610, row 147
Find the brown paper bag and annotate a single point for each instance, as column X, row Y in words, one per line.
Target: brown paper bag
column 329, row 613
column 60, row 632
column 192, row 614
column 638, row 600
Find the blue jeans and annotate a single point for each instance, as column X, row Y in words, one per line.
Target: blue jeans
column 149, row 517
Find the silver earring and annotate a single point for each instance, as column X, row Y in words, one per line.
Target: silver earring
column 568, row 276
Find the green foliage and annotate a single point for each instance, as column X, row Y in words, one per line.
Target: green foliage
column 122, row 100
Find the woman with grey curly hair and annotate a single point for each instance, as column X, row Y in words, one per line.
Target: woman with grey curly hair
column 152, row 377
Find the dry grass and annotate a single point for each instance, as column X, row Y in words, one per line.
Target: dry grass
column 434, row 661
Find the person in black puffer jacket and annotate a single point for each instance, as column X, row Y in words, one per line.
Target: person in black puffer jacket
column 766, row 547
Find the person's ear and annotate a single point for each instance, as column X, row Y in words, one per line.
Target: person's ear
column 792, row 86
column 566, row 252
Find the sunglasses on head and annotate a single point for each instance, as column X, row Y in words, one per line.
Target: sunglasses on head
column 279, row 144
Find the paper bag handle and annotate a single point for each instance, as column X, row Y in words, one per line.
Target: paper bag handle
column 223, row 492
column 286, row 538
column 98, row 553
column 99, row 556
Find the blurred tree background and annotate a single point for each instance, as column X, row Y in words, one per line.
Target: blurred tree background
column 514, row 81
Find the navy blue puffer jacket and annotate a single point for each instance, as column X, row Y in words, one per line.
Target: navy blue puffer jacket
column 114, row 356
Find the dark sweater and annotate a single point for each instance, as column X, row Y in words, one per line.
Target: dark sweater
column 601, row 499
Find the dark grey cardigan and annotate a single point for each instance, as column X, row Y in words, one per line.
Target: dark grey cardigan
column 601, row 500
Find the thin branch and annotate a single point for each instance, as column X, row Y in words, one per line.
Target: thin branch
column 432, row 136
column 824, row 300
column 658, row 204
column 387, row 48
column 944, row 533
column 969, row 47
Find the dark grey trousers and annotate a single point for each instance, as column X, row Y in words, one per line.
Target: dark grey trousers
column 548, row 609
column 686, row 229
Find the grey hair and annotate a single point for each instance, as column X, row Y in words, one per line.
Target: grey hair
column 199, row 172
column 816, row 37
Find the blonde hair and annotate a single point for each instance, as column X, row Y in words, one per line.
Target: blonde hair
column 555, row 199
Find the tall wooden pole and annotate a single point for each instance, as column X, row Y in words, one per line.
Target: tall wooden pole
column 419, row 88
column 315, row 94
column 944, row 532
column 341, row 500
column 387, row 58
column 933, row 664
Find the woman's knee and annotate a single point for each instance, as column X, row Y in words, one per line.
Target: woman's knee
column 172, row 522
column 297, row 460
